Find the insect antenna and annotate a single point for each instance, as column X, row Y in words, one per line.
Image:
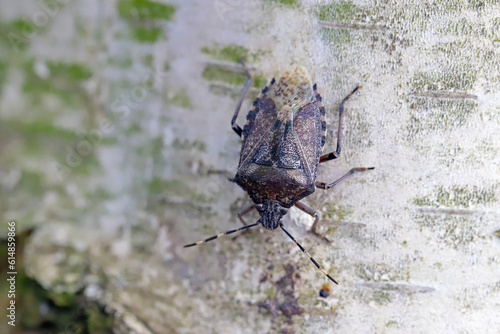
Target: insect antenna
column 309, row 256
column 222, row 234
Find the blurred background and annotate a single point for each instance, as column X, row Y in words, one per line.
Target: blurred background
column 113, row 112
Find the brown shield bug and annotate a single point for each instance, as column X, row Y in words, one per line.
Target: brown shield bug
column 282, row 141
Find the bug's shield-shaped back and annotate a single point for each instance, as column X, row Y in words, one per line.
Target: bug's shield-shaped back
column 281, row 141
column 276, row 168
column 292, row 142
column 280, row 147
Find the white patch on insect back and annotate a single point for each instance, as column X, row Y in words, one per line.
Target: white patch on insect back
column 293, row 88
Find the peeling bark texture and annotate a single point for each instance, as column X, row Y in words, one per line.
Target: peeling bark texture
column 114, row 112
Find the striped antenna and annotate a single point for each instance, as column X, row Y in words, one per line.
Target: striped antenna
column 309, row 256
column 222, row 234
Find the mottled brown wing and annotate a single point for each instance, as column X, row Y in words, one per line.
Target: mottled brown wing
column 309, row 128
column 259, row 121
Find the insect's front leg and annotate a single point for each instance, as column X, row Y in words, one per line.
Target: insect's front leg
column 335, row 155
column 235, row 126
column 243, row 212
column 315, row 215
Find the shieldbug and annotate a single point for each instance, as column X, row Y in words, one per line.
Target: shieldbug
column 281, row 148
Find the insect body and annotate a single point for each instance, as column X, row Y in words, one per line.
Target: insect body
column 281, row 146
column 282, row 141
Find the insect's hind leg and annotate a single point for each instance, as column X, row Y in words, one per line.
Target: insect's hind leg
column 235, row 126
column 313, row 214
column 325, row 186
column 336, row 153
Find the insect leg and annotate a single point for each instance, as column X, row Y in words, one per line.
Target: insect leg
column 323, row 185
column 243, row 212
column 335, row 155
column 314, row 214
column 309, row 256
column 221, row 234
column 235, row 126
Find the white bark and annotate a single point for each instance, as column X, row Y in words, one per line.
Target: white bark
column 414, row 242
